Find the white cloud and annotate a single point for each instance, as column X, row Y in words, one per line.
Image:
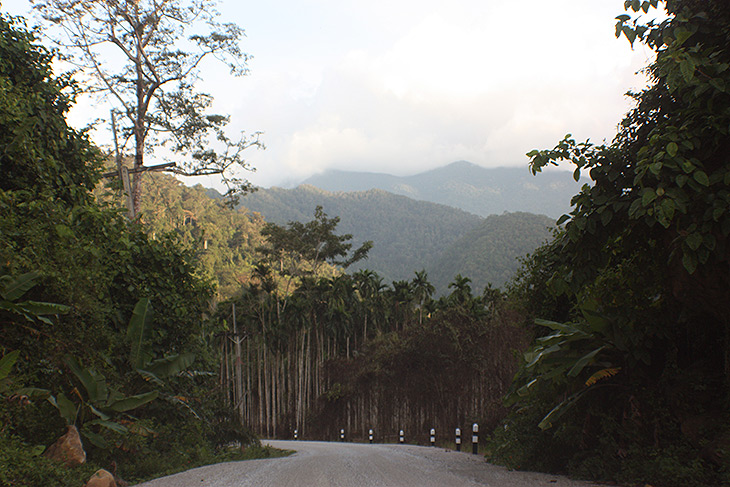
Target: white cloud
column 406, row 85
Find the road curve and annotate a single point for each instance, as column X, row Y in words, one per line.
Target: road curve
column 360, row 465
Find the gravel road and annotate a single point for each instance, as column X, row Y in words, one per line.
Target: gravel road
column 361, row 465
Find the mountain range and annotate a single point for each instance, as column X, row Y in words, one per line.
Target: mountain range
column 472, row 188
column 409, row 234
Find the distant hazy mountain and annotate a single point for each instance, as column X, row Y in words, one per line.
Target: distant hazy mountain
column 411, row 235
column 464, row 185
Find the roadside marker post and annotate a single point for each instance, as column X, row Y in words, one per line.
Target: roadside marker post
column 401, row 437
column 433, row 437
column 342, row 435
column 296, row 435
column 475, row 438
column 370, row 435
column 458, row 439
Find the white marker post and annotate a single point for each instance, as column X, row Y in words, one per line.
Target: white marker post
column 296, row 435
column 458, row 439
column 475, row 438
column 433, row 437
column 370, row 435
column 342, row 435
column 402, row 437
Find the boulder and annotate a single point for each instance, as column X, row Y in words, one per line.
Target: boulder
column 68, row 448
column 101, row 478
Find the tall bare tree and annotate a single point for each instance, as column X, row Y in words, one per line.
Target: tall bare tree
column 145, row 57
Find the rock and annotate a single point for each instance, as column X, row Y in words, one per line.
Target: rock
column 68, row 448
column 101, row 478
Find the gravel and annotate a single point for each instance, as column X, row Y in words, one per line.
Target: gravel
column 361, row 465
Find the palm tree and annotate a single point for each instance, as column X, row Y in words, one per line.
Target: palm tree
column 422, row 291
column 368, row 285
column 461, row 294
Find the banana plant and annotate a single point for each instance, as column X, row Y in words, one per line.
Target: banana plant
column 576, row 357
column 141, row 354
column 98, row 405
column 14, row 288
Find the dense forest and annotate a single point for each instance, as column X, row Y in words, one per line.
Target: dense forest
column 629, row 378
column 105, row 325
column 168, row 337
column 409, row 235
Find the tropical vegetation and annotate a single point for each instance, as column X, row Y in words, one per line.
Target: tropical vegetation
column 628, row 378
column 80, row 342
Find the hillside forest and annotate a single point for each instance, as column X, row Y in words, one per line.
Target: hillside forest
column 180, row 336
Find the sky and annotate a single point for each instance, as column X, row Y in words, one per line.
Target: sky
column 404, row 86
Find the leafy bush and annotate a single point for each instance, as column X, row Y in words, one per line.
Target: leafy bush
column 22, row 465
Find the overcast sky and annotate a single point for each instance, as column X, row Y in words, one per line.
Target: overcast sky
column 403, row 86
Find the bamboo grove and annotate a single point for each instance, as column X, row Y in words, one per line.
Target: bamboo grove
column 319, row 353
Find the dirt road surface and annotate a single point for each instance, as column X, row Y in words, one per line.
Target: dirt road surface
column 361, row 465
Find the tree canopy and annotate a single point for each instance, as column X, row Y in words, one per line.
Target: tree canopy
column 40, row 152
column 644, row 260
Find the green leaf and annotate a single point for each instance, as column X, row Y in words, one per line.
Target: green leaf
column 138, row 332
column 7, row 362
column 34, row 392
column 93, row 382
column 39, row 309
column 694, row 240
column 170, row 366
column 606, row 217
column 96, row 439
column 584, row 361
column 701, row 177
column 668, row 207
column 98, row 413
column 689, row 261
column 14, row 289
column 559, row 410
column 66, row 408
column 133, row 402
column 687, row 67
column 672, row 149
column 681, row 35
column 562, row 219
column 629, row 33
column 110, row 425
column 648, row 195
column 150, row 377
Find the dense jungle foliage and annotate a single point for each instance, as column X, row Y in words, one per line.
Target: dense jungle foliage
column 103, row 327
column 630, row 376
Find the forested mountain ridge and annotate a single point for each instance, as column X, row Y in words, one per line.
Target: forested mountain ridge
column 488, row 254
column 475, row 189
column 407, row 234
column 410, row 235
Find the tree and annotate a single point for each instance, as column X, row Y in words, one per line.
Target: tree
column 644, row 257
column 314, row 241
column 150, row 83
column 422, row 290
column 39, row 152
